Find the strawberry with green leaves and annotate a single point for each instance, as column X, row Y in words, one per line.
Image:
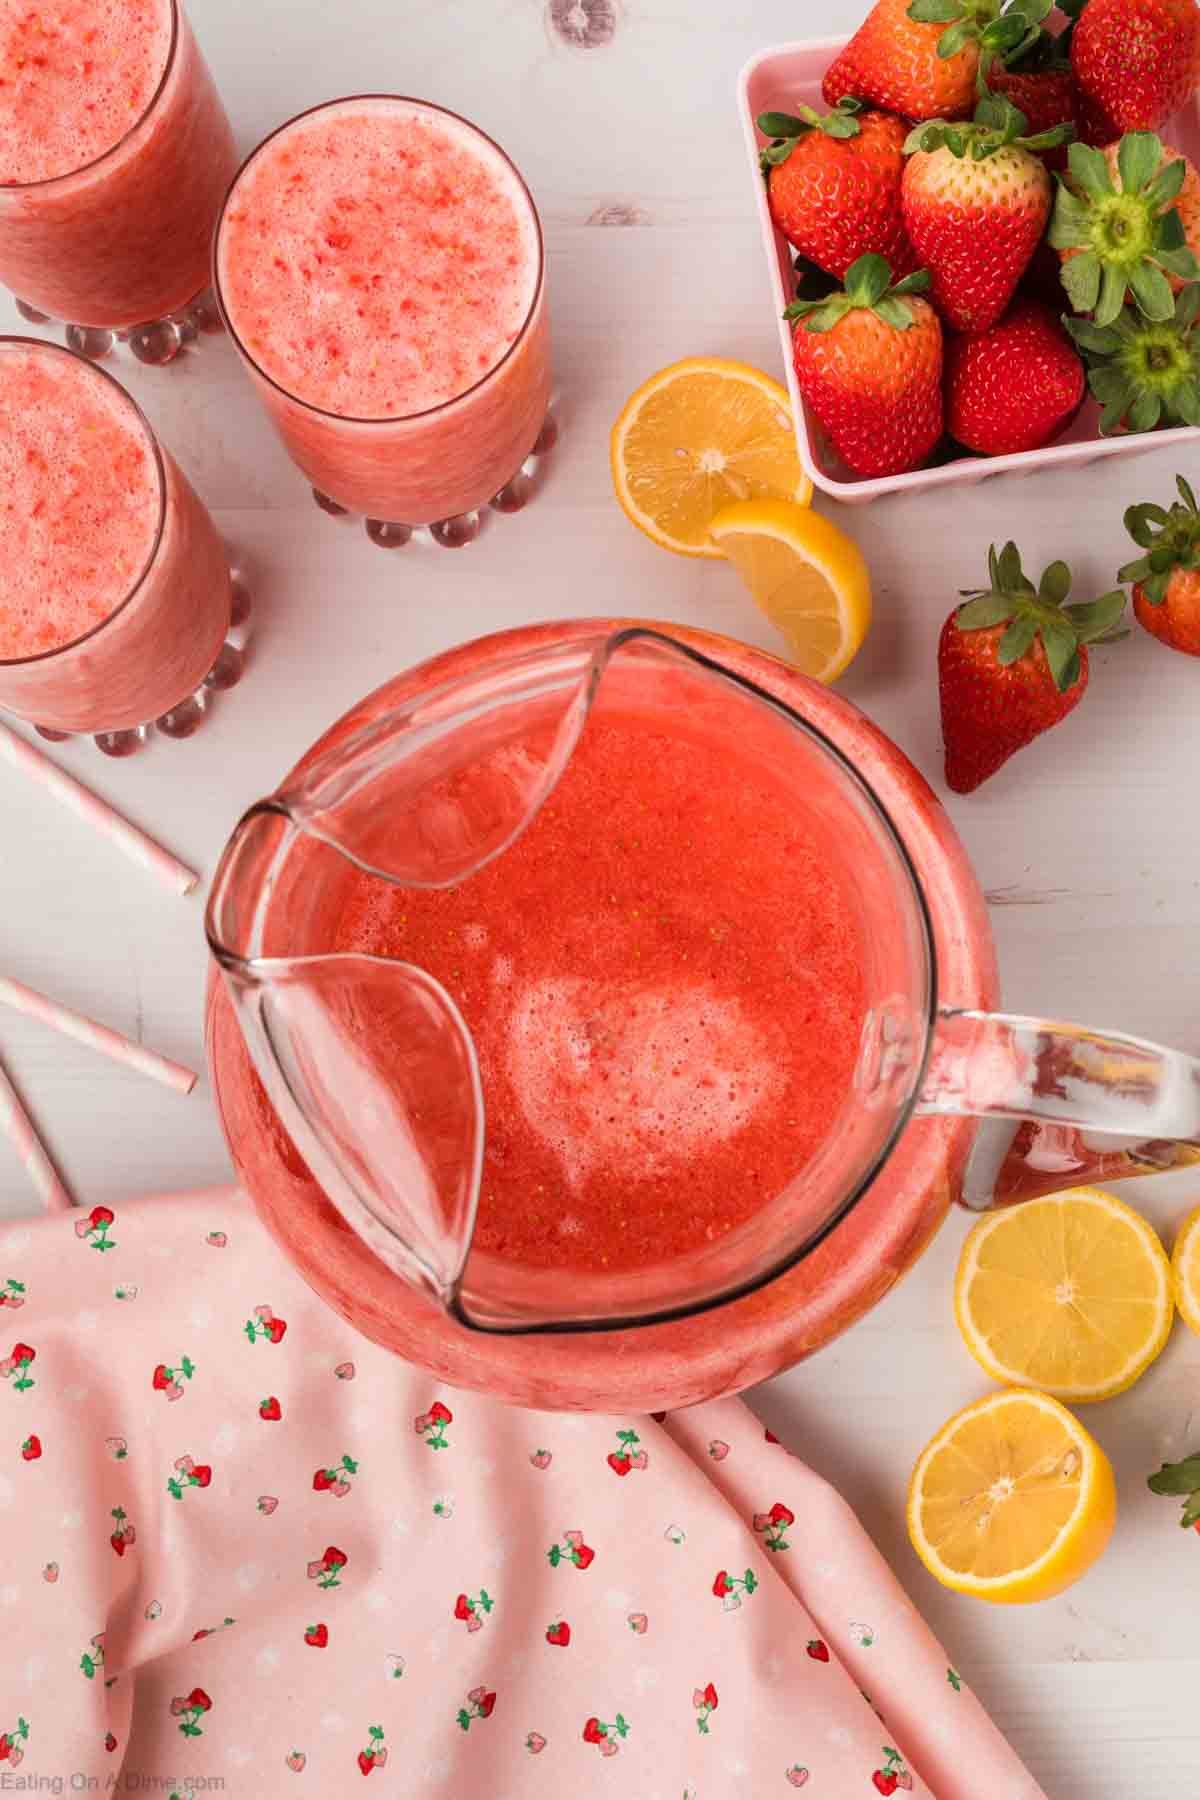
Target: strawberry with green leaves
column 1144, row 372
column 976, row 200
column 1166, row 594
column 1034, row 74
column 833, row 184
column 868, row 362
column 1012, row 663
column 918, row 58
column 1135, row 61
column 1119, row 230
column 1015, row 387
column 1181, row 1479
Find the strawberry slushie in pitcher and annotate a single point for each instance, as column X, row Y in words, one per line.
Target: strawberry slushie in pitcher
column 114, row 154
column 115, row 593
column 379, row 264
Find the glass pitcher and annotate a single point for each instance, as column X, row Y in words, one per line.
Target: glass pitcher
column 370, row 1063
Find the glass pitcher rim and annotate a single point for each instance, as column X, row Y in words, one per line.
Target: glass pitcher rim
column 609, row 642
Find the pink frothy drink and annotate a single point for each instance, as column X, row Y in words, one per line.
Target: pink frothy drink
column 114, row 154
column 114, row 586
column 379, row 264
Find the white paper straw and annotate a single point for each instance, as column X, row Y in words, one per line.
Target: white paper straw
column 96, row 1036
column 98, row 813
column 18, row 1128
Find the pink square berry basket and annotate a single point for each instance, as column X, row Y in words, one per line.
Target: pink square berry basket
column 775, row 80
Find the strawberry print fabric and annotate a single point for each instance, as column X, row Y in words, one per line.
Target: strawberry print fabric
column 245, row 1551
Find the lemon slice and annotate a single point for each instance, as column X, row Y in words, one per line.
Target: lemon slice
column 1012, row 1501
column 696, row 436
column 809, row 578
column 1070, row 1294
column 1185, row 1268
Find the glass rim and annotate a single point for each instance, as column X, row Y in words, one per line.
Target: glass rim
column 45, row 181
column 22, row 662
column 442, row 406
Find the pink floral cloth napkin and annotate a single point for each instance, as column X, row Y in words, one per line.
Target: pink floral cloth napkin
column 243, row 1551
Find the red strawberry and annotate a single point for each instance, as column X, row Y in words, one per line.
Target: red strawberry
column 6, row 1745
column 441, row 1415
column 918, row 59
column 366, row 1761
column 885, row 1781
column 199, row 1699
column 592, row 1733
column 31, row 1449
column 833, row 185
column 709, row 1697
column 317, row 1636
column 559, row 1634
column 270, row 1409
column 201, row 1474
column 1136, row 62
column 781, row 1514
column 720, row 1586
column 976, row 203
column 582, row 1555
column 818, row 1649
column 1012, row 662
column 110, row 1742
column 462, row 1607
column 618, row 1462
column 204, row 1631
column 869, row 364
column 1014, row 387
column 117, row 1541
column 335, row 1558
column 100, row 1215
column 322, row 1480
column 769, row 1435
column 162, row 1377
column 487, row 1706
column 276, row 1329
column 1047, row 96
column 22, row 1353
column 1166, row 595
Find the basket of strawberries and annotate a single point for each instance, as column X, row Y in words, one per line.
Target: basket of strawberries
column 982, row 220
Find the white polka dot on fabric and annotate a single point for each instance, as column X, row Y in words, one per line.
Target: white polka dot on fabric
column 332, row 1722
column 201, row 1316
column 86, row 1322
column 225, row 1440
column 7, row 1491
column 239, row 1756
column 248, row 1576
column 71, row 1521
column 9, row 1595
column 34, row 1670
column 377, row 1601
column 267, row 1660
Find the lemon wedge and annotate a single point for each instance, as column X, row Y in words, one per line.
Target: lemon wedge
column 809, row 578
column 1185, row 1270
column 696, row 436
column 1012, row 1501
column 1070, row 1294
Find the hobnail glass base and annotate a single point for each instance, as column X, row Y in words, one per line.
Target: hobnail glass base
column 186, row 717
column 156, row 341
column 463, row 528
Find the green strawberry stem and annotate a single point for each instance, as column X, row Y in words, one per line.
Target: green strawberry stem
column 1032, row 613
column 786, row 129
column 1171, row 541
column 997, row 124
column 1131, row 240
column 975, row 22
column 869, row 287
column 1144, row 372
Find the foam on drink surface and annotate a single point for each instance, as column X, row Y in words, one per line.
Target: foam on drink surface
column 75, row 77
column 662, row 979
column 79, row 498
column 377, row 259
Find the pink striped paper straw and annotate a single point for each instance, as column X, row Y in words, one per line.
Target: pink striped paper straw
column 96, row 1036
column 97, row 812
column 18, row 1128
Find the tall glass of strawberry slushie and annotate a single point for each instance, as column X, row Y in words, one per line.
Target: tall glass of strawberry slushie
column 379, row 265
column 115, row 590
column 114, row 154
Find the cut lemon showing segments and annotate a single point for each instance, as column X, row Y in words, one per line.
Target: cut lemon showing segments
column 1070, row 1294
column 809, row 578
column 1185, row 1270
column 1012, row 1501
column 696, row 436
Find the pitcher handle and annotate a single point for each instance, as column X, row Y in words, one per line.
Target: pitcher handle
column 1077, row 1085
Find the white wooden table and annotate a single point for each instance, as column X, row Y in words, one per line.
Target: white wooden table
column 633, row 149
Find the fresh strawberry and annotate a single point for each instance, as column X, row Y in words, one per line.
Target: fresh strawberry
column 834, row 184
column 918, row 59
column 1183, row 1480
column 1145, row 372
column 1118, row 226
column 1166, row 594
column 1014, row 387
column 1046, row 95
column 1012, row 662
column 976, row 200
column 1135, row 61
column 869, row 364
